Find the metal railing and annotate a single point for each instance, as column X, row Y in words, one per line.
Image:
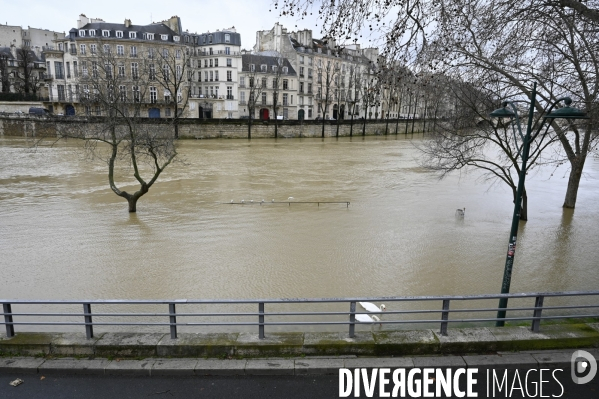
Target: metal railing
column 445, row 310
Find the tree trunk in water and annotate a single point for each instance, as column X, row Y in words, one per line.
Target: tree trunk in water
column 132, row 204
column 351, row 124
column 323, row 122
column 364, row 127
column 574, row 182
column 249, row 128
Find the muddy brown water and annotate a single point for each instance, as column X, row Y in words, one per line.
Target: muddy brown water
column 65, row 235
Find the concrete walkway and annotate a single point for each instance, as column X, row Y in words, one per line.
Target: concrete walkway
column 278, row 366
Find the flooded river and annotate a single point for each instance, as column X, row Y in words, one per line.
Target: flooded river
column 65, row 235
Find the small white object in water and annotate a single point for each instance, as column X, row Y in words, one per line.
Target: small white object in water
column 290, row 198
column 273, row 200
column 243, row 201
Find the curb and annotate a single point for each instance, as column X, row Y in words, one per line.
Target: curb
column 277, row 366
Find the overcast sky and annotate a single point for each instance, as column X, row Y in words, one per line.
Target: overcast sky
column 196, row 16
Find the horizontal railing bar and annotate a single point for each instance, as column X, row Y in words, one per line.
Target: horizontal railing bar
column 296, row 313
column 303, row 300
column 435, row 321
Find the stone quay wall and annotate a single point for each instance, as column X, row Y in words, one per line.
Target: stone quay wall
column 26, row 126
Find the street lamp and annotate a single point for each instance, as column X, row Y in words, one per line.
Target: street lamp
column 566, row 112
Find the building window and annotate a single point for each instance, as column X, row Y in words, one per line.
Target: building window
column 209, row 38
column 229, row 62
column 121, row 70
column 229, row 76
column 309, row 112
column 152, row 72
column 263, row 98
column 134, row 70
column 82, row 33
column 75, row 71
column 264, row 83
column 216, row 76
column 301, row 72
column 274, row 69
column 285, row 69
column 167, row 96
column 285, row 96
column 251, row 82
column 210, row 62
column 58, row 70
column 153, row 95
column 211, row 76
column 136, row 94
column 108, row 69
column 229, row 92
column 166, row 72
column 227, row 38
column 84, row 68
column 301, row 59
column 242, row 97
column 164, row 53
column 82, row 49
column 252, row 67
column 262, row 68
column 242, row 81
column 92, row 48
column 98, row 110
column 179, row 96
column 285, row 113
column 105, row 33
column 301, row 87
column 227, row 50
column 60, row 48
column 92, row 32
column 167, row 112
column 285, row 84
column 132, row 35
column 178, row 54
column 107, row 49
column 68, row 68
column 61, row 96
column 133, row 52
column 151, row 53
column 120, row 50
column 176, row 38
column 216, row 62
column 210, row 51
column 123, row 93
column 119, row 34
column 150, row 36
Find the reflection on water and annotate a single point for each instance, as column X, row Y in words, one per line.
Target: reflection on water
column 64, row 234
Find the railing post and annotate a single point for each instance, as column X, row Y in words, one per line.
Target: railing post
column 10, row 328
column 89, row 327
column 173, row 320
column 261, row 320
column 352, row 319
column 536, row 321
column 444, row 317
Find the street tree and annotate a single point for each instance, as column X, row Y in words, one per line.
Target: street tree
column 254, row 85
column 27, row 81
column 277, row 84
column 326, row 71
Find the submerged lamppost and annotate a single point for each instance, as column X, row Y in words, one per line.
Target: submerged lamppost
column 566, row 112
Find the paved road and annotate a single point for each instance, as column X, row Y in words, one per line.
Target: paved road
column 318, row 386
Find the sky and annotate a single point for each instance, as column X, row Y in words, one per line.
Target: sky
column 196, row 16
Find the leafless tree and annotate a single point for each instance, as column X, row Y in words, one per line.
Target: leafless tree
column 26, row 80
column 277, row 83
column 172, row 65
column 255, row 90
column 4, row 80
column 551, row 42
column 470, row 139
column 118, row 134
column 326, row 73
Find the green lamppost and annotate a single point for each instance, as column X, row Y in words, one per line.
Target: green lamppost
column 566, row 112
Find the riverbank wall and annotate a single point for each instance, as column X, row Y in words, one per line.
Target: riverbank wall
column 25, row 126
column 479, row 340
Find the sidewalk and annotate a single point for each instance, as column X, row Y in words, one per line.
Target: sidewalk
column 278, row 366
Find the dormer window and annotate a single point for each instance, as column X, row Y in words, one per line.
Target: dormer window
column 274, row 69
column 92, row 32
column 252, row 67
column 176, row 38
column 82, row 33
column 263, row 68
column 164, row 37
column 227, row 38
column 285, row 69
column 132, row 35
column 209, row 38
column 105, row 33
column 186, row 39
column 119, row 34
column 149, row 36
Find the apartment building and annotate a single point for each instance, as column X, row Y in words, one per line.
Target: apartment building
column 215, row 66
column 268, row 87
column 331, row 77
column 145, row 64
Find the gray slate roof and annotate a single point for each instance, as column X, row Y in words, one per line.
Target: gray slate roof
column 259, row 59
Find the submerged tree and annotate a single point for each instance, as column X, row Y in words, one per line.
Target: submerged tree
column 117, row 133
